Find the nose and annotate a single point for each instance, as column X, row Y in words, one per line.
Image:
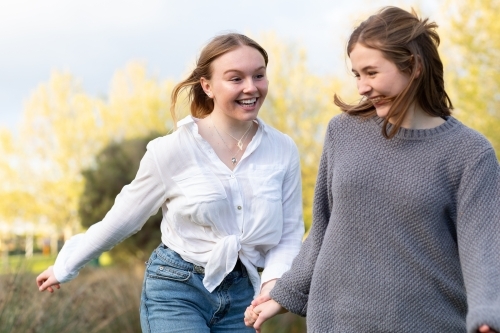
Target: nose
column 250, row 86
column 363, row 86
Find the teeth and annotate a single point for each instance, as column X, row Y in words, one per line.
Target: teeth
column 248, row 101
column 376, row 100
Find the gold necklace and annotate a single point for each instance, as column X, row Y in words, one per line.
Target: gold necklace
column 233, row 159
column 240, row 141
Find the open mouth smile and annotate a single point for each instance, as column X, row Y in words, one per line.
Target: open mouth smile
column 247, row 102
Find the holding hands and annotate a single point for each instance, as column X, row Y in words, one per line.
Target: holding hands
column 262, row 308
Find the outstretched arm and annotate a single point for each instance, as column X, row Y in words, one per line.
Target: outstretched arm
column 135, row 203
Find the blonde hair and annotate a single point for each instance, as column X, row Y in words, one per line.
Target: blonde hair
column 201, row 104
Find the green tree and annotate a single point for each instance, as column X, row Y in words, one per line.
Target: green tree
column 116, row 166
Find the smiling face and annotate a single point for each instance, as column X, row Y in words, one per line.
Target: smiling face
column 378, row 79
column 238, row 84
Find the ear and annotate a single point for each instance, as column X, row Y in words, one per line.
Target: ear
column 206, row 86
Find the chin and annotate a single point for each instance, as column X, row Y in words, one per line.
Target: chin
column 382, row 112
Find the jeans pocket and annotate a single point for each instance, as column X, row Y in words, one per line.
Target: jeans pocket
column 170, row 273
column 167, row 265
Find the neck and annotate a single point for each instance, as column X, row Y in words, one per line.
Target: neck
column 233, row 127
column 417, row 118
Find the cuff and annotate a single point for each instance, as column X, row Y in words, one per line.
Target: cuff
column 483, row 316
column 290, row 299
column 271, row 272
column 60, row 271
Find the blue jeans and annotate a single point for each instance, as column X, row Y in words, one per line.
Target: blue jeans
column 175, row 300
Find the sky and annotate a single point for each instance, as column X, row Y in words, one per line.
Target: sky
column 92, row 39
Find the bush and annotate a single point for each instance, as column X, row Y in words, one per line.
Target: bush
column 102, row 300
column 99, row 300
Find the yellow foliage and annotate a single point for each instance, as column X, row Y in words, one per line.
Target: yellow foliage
column 63, row 129
column 472, row 50
column 299, row 104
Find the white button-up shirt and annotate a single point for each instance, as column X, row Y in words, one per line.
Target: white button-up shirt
column 211, row 215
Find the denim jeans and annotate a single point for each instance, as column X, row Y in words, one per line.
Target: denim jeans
column 175, row 300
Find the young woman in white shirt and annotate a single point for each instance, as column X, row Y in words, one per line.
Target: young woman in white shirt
column 229, row 188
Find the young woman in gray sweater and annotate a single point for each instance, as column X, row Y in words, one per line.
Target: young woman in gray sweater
column 406, row 227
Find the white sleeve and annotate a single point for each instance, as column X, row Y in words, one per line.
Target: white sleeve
column 279, row 259
column 133, row 206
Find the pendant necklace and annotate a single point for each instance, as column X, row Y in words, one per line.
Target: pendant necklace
column 240, row 141
column 233, row 159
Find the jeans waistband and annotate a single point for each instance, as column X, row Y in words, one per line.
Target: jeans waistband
column 239, row 267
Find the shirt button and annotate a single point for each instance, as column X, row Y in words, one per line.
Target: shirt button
column 239, row 207
column 232, row 176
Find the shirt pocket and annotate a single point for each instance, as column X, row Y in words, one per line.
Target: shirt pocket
column 200, row 186
column 267, row 181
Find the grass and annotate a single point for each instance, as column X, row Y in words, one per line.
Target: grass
column 18, row 262
column 99, row 300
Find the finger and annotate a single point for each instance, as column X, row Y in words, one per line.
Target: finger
column 260, row 299
column 47, row 285
column 484, row 329
column 42, row 286
column 252, row 316
column 40, row 279
column 258, row 323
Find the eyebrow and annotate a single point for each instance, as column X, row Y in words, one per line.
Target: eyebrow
column 236, row 70
column 364, row 69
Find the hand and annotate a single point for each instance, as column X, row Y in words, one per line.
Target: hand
column 250, row 316
column 46, row 280
column 486, row 329
column 264, row 293
column 265, row 311
column 267, row 287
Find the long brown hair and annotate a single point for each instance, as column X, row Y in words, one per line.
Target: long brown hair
column 411, row 44
column 201, row 104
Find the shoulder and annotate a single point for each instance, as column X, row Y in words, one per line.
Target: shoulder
column 344, row 121
column 468, row 140
column 171, row 144
column 344, row 129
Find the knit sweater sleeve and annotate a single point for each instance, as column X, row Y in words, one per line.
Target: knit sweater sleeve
column 292, row 290
column 478, row 235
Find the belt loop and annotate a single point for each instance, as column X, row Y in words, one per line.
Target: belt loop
column 198, row 269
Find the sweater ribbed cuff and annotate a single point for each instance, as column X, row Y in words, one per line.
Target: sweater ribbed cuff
column 290, row 299
column 479, row 316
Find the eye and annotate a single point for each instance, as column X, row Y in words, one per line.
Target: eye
column 356, row 75
column 235, row 79
column 260, row 76
column 372, row 73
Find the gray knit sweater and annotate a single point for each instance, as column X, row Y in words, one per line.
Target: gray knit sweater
column 406, row 233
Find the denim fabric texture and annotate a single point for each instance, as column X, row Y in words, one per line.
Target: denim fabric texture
column 174, row 298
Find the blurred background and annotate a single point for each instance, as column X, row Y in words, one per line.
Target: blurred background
column 84, row 85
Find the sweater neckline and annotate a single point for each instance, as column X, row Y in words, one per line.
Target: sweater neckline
column 450, row 124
